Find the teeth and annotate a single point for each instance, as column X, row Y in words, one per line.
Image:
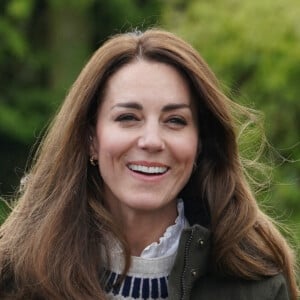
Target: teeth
column 148, row 170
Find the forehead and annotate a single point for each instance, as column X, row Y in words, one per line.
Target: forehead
column 143, row 79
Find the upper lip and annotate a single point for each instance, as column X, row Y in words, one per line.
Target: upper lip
column 148, row 164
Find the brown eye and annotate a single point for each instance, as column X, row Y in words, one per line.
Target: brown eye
column 179, row 121
column 126, row 118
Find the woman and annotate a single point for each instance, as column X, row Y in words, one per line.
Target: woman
column 137, row 190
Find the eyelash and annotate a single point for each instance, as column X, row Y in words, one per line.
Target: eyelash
column 174, row 121
column 126, row 118
column 177, row 121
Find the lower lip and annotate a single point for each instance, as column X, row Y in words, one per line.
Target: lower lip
column 149, row 178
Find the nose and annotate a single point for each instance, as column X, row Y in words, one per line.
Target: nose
column 151, row 139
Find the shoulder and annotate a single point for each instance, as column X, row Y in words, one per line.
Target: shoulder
column 271, row 288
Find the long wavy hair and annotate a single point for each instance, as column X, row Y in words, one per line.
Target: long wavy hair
column 50, row 244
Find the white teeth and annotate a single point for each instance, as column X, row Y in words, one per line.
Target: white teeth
column 148, row 170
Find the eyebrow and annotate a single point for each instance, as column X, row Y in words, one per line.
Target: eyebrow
column 170, row 107
column 166, row 108
column 133, row 105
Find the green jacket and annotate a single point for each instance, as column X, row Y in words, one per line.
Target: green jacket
column 190, row 279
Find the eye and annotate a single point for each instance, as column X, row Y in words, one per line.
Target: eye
column 126, row 118
column 176, row 121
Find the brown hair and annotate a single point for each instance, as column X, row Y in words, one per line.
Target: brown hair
column 49, row 245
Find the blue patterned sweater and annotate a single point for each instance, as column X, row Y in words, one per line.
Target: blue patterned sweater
column 147, row 278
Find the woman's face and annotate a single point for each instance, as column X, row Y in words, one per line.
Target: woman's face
column 145, row 137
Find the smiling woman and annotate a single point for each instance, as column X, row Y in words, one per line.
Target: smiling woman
column 146, row 140
column 138, row 192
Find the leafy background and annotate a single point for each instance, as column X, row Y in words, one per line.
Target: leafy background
column 252, row 46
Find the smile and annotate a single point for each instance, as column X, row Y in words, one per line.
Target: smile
column 151, row 170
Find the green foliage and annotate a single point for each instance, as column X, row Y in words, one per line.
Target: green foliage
column 22, row 104
column 4, row 210
column 120, row 16
column 20, row 9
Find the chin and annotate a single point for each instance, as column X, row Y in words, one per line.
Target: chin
column 148, row 204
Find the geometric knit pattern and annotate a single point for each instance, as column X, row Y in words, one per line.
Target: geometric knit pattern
column 147, row 278
column 135, row 287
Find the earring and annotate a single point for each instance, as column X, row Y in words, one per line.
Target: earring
column 93, row 161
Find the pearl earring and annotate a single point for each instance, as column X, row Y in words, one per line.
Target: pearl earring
column 93, row 161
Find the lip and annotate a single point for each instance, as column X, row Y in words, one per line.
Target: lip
column 148, row 177
column 148, row 164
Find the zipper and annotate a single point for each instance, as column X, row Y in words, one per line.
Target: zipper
column 185, row 262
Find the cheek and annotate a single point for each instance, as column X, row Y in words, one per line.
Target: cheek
column 186, row 151
column 111, row 144
column 108, row 153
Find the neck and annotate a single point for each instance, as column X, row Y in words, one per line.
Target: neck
column 142, row 228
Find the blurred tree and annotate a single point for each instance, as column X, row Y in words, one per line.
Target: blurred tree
column 254, row 47
column 44, row 44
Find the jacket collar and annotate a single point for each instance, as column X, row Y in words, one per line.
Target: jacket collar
column 192, row 261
